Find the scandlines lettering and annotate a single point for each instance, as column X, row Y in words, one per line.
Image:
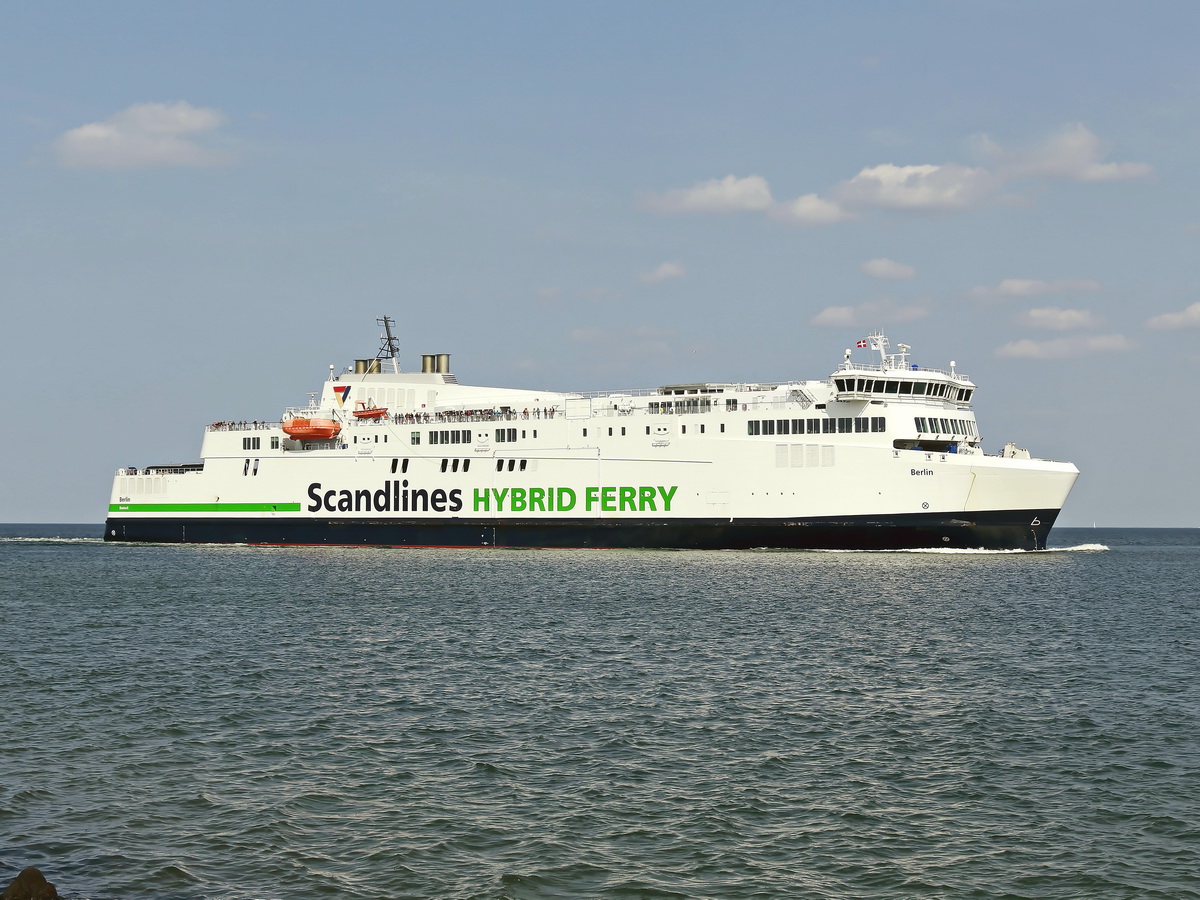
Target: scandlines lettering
column 398, row 497
column 394, row 496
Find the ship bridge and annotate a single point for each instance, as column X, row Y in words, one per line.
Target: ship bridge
column 894, row 377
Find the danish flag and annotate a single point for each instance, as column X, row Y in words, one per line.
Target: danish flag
column 861, row 344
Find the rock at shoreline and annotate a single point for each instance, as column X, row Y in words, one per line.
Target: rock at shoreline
column 30, row 885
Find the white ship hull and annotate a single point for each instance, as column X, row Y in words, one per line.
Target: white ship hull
column 684, row 466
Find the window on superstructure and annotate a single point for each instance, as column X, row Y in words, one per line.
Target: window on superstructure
column 415, row 438
column 454, row 465
column 585, row 432
column 499, row 465
column 730, row 404
column 404, row 465
column 814, row 426
column 753, row 428
column 906, row 387
column 919, row 389
column 512, row 464
column 702, row 429
column 466, row 465
column 275, row 443
column 828, row 426
column 246, row 468
column 256, row 467
column 524, row 463
column 844, row 424
column 891, row 387
column 722, row 428
column 878, row 424
column 444, row 464
column 861, row 425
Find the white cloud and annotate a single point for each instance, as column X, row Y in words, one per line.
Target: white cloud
column 143, row 136
column 1064, row 348
column 809, row 210
column 1188, row 318
column 1055, row 319
column 649, row 332
column 868, row 314
column 1032, row 287
column 1073, row 153
column 587, row 335
column 835, row 316
column 549, row 295
column 923, row 188
column 664, row 272
column 720, row 195
column 888, row 269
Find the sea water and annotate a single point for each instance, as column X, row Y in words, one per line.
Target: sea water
column 200, row 722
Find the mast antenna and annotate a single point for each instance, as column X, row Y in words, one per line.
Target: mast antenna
column 389, row 344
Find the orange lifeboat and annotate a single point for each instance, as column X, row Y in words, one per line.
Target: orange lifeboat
column 362, row 411
column 311, row 429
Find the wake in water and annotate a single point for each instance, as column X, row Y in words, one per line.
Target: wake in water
column 51, row 540
column 979, row 551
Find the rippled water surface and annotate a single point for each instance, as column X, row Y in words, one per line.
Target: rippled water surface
column 236, row 722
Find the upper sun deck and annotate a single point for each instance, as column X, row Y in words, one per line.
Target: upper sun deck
column 379, row 382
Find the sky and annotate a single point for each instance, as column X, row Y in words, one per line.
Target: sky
column 207, row 204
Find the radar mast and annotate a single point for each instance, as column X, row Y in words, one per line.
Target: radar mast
column 389, row 345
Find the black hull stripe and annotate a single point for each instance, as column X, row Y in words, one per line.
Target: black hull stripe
column 992, row 530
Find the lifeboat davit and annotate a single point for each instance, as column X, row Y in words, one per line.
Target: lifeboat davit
column 362, row 411
column 312, row 429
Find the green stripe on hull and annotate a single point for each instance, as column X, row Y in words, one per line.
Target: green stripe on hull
column 204, row 507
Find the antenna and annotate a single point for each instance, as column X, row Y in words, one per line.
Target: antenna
column 389, row 344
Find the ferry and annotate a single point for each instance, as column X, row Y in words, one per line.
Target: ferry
column 883, row 454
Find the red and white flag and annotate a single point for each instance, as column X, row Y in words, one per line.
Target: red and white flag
column 861, row 344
